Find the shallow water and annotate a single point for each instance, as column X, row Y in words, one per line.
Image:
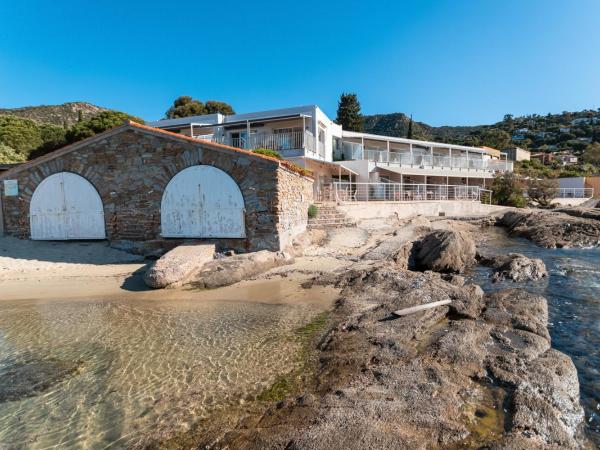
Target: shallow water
column 106, row 373
column 573, row 294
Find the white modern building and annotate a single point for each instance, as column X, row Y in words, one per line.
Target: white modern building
column 349, row 165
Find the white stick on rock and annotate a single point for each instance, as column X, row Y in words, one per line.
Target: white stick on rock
column 414, row 309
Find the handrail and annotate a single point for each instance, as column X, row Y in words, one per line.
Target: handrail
column 574, row 193
column 293, row 140
column 346, row 191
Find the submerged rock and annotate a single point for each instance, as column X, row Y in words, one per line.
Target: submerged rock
column 514, row 266
column 445, row 251
column 31, row 377
column 175, row 266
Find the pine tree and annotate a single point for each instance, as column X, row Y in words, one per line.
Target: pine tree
column 79, row 115
column 348, row 113
column 409, row 133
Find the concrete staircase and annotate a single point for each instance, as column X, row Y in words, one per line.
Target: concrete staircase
column 328, row 216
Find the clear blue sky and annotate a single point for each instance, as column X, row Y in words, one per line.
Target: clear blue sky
column 447, row 61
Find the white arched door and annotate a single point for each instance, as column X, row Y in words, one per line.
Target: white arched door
column 202, row 201
column 66, row 206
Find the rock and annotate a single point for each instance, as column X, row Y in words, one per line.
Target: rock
column 514, row 266
column 445, row 251
column 553, row 229
column 175, row 266
column 230, row 270
column 518, row 309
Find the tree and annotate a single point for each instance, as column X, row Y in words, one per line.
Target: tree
column 99, row 123
column 508, row 190
column 22, row 135
column 10, row 155
column 495, row 138
column 592, row 153
column 409, row 133
column 348, row 113
column 542, row 190
column 185, row 106
column 213, row 107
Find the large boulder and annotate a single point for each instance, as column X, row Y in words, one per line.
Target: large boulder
column 175, row 266
column 230, row 270
column 514, row 266
column 445, row 251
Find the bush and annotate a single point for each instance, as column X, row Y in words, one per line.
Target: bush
column 9, row 155
column 98, row 124
column 312, row 211
column 268, row 152
column 508, row 191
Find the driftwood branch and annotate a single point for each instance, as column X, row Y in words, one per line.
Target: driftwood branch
column 414, row 309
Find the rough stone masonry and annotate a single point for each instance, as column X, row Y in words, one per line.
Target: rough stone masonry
column 130, row 167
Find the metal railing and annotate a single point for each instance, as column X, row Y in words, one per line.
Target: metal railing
column 345, row 191
column 574, row 193
column 294, row 140
column 437, row 161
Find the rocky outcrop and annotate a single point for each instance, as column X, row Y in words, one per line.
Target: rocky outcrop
column 445, row 251
column 553, row 229
column 514, row 266
column 229, row 270
column 175, row 266
column 434, row 379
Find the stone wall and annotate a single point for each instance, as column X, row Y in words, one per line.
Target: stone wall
column 295, row 194
column 131, row 166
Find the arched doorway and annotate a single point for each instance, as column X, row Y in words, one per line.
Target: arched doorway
column 66, row 206
column 203, row 202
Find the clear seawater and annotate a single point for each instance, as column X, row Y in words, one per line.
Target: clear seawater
column 573, row 293
column 96, row 374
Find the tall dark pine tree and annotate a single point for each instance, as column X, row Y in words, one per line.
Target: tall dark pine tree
column 348, row 113
column 409, row 133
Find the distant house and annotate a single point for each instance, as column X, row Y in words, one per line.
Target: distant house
column 518, row 137
column 518, row 154
column 543, row 157
column 585, row 139
column 565, row 129
column 521, row 131
column 585, row 120
column 567, row 159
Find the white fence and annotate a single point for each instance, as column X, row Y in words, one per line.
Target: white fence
column 294, row 140
column 400, row 192
column 574, row 193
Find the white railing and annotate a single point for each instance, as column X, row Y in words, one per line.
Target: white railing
column 574, row 193
column 344, row 191
column 427, row 161
column 294, row 140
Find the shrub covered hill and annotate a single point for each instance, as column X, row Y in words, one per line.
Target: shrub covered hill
column 27, row 133
column 552, row 132
column 64, row 115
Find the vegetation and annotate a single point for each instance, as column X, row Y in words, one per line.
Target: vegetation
column 508, row 190
column 98, row 124
column 185, row 106
column 10, row 155
column 541, row 190
column 267, row 152
column 348, row 113
column 313, row 211
column 24, row 139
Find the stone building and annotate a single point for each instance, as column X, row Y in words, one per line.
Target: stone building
column 136, row 183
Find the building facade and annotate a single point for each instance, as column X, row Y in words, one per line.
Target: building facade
column 137, row 183
column 349, row 165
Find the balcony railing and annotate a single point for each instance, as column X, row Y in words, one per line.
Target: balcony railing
column 295, row 140
column 345, row 191
column 574, row 193
column 437, row 161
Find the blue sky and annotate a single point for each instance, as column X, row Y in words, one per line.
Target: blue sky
column 446, row 62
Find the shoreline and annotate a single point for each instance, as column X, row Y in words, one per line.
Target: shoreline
column 356, row 363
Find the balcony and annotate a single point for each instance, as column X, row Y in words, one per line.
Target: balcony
column 354, row 151
column 287, row 144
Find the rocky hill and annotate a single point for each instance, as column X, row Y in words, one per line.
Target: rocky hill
column 64, row 115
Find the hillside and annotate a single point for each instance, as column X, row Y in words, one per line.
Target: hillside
column 572, row 131
column 64, row 115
